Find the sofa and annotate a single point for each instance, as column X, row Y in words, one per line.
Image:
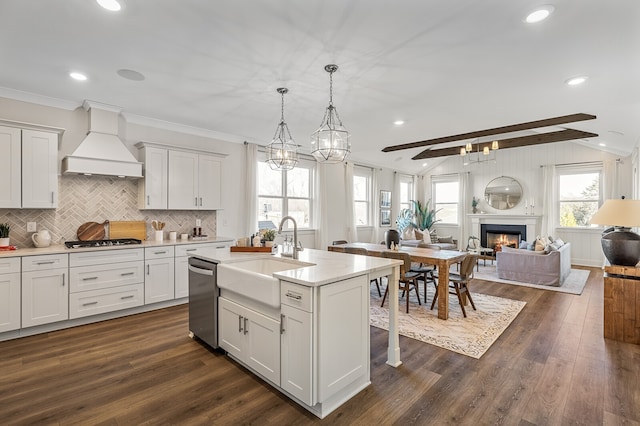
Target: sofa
column 415, row 238
column 544, row 267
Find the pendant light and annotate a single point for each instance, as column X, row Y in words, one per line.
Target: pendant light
column 330, row 143
column 282, row 152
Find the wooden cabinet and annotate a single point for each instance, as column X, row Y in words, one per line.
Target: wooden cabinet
column 45, row 289
column 159, row 274
column 194, row 181
column 29, row 177
column 250, row 337
column 622, row 304
column 152, row 189
column 9, row 294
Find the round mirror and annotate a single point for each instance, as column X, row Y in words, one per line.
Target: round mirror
column 503, row 193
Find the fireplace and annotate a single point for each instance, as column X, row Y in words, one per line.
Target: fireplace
column 496, row 236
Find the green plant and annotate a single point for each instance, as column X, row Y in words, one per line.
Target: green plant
column 4, row 230
column 269, row 234
column 404, row 220
column 424, row 216
column 474, row 202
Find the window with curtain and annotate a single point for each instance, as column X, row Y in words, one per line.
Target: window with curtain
column 579, row 194
column 285, row 193
column 362, row 195
column 406, row 191
column 446, row 193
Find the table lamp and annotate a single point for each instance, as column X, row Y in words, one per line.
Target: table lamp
column 620, row 246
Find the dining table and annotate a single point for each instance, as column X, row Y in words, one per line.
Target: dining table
column 442, row 259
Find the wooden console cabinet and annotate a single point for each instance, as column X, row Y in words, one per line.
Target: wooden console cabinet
column 622, row 304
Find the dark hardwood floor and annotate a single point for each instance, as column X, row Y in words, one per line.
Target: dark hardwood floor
column 550, row 367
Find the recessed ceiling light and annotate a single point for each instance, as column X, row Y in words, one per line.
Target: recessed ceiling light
column 602, row 144
column 111, row 5
column 130, row 74
column 77, row 76
column 539, row 14
column 424, row 164
column 574, row 81
column 398, row 122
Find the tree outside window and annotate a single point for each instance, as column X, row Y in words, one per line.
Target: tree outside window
column 579, row 197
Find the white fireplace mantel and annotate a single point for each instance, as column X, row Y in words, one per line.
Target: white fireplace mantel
column 530, row 221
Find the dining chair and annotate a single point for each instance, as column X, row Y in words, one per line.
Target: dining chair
column 363, row 252
column 459, row 283
column 425, row 270
column 407, row 280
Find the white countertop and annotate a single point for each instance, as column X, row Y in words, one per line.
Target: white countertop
column 61, row 248
column 328, row 267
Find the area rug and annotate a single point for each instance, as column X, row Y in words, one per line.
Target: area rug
column 573, row 284
column 470, row 336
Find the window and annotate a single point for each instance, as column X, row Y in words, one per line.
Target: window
column 579, row 195
column 285, row 193
column 362, row 195
column 406, row 192
column 446, row 193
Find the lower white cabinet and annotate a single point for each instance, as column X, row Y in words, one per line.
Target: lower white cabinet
column 250, row 337
column 159, row 274
column 100, row 301
column 297, row 361
column 45, row 289
column 9, row 294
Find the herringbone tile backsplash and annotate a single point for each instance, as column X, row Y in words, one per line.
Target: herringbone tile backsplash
column 96, row 199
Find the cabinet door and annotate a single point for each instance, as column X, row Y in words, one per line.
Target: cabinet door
column 9, row 302
column 263, row 345
column 181, row 277
column 152, row 194
column 11, row 170
column 297, row 364
column 209, row 182
column 39, row 169
column 45, row 297
column 158, row 280
column 231, row 327
column 183, row 180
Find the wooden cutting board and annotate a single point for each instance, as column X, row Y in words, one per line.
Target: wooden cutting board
column 91, row 231
column 128, row 229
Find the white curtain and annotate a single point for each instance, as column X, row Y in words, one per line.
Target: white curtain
column 462, row 209
column 250, row 189
column 549, row 209
column 375, row 187
column 320, row 207
column 352, row 231
column 395, row 200
column 612, row 180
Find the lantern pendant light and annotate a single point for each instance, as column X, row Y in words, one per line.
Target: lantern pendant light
column 330, row 143
column 282, row 152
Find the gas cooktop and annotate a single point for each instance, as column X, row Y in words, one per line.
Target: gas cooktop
column 102, row 243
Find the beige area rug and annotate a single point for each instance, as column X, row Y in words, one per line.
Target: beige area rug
column 470, row 336
column 573, row 284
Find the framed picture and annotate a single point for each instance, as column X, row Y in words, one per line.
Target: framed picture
column 385, row 199
column 385, row 217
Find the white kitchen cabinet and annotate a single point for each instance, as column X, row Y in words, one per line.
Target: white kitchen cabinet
column 159, row 274
column 11, row 170
column 194, row 181
column 45, row 289
column 153, row 188
column 297, row 361
column 9, row 294
column 250, row 337
column 39, row 169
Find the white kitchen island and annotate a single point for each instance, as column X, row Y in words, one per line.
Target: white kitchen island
column 311, row 342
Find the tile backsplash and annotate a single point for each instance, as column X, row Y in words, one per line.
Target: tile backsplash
column 96, row 199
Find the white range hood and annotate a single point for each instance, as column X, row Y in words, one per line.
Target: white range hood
column 102, row 152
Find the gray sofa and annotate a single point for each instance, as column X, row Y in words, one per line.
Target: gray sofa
column 535, row 267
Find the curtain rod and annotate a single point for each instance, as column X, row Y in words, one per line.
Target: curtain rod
column 583, row 163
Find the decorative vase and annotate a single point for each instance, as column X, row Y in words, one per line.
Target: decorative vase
column 268, row 243
column 475, row 210
column 4, row 241
column 391, row 235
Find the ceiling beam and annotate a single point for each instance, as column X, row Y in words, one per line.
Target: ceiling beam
column 538, row 139
column 495, row 131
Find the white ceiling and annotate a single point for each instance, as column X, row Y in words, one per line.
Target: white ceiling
column 445, row 67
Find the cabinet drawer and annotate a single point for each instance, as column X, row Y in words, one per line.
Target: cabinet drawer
column 45, row 262
column 158, row 252
column 105, row 300
column 190, row 249
column 101, row 257
column 83, row 278
column 9, row 265
column 296, row 295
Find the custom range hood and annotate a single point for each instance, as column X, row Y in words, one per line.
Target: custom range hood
column 102, row 152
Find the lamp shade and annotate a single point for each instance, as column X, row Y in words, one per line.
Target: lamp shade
column 621, row 246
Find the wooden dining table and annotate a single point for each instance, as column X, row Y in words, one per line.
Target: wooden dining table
column 443, row 259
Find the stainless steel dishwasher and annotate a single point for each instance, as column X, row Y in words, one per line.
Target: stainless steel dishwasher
column 203, row 301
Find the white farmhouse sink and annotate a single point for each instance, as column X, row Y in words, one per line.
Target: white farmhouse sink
column 254, row 278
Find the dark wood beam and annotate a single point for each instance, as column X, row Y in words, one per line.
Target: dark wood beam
column 495, row 131
column 538, row 139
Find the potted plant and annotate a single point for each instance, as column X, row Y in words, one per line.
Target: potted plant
column 4, row 234
column 424, row 216
column 474, row 204
column 268, row 235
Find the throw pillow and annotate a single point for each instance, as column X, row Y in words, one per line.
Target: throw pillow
column 426, row 237
column 531, row 247
column 447, row 239
column 418, row 234
column 408, row 234
column 559, row 242
column 434, row 236
column 524, row 245
column 554, row 246
column 540, row 244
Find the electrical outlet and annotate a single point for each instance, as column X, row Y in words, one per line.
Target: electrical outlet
column 198, row 222
column 31, row 227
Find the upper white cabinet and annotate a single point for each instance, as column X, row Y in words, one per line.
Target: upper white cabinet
column 179, row 179
column 29, row 177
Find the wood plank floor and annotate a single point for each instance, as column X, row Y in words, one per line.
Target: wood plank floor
column 550, row 367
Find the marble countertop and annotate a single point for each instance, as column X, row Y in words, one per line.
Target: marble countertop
column 61, row 248
column 327, row 267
